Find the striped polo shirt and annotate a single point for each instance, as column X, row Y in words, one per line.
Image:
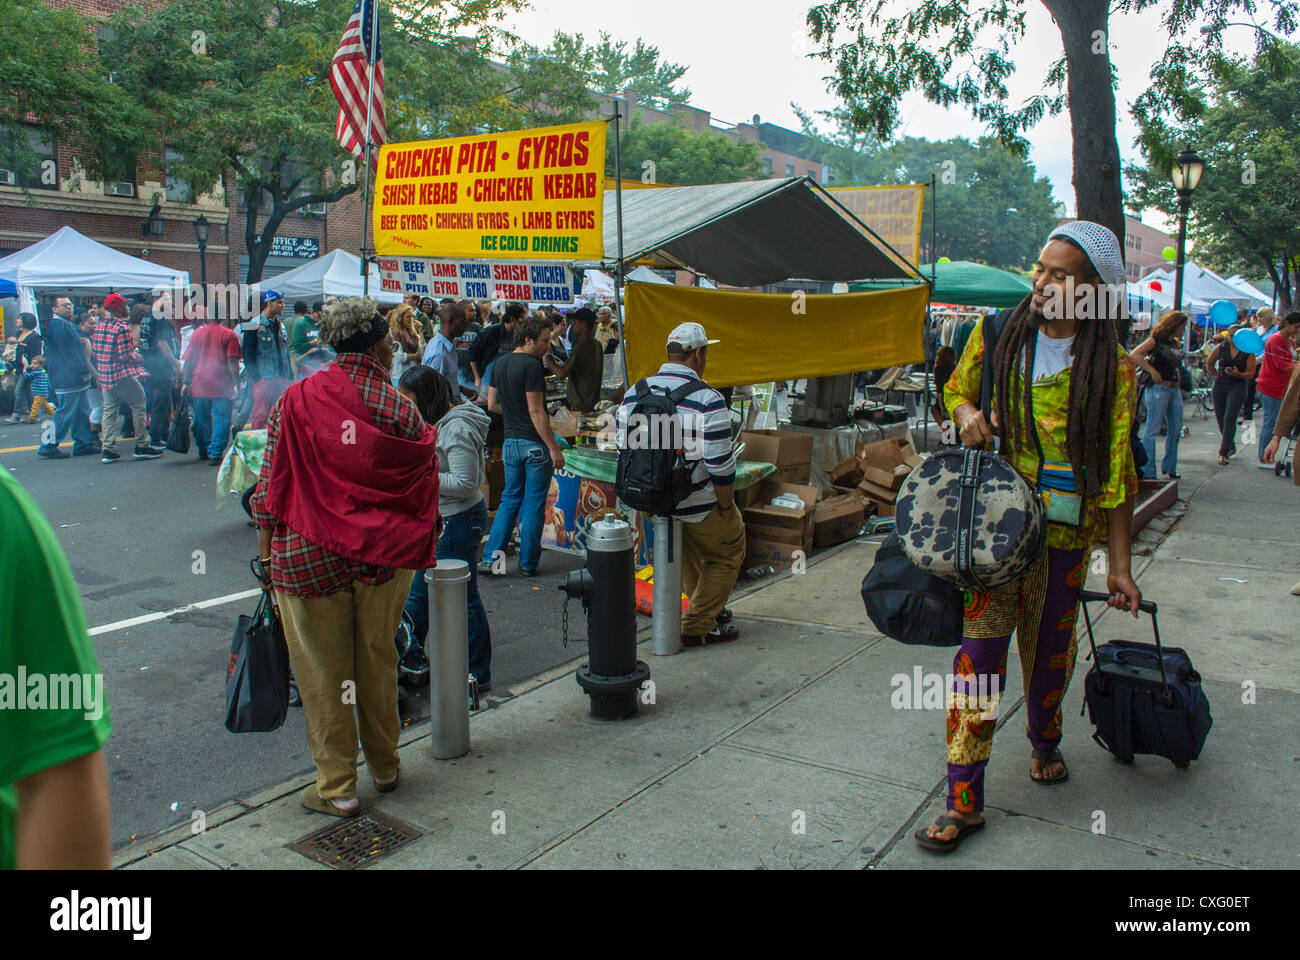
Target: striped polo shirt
column 706, row 438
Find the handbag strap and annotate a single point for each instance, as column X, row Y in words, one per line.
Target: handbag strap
column 972, row 457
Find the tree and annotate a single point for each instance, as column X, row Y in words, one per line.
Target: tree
column 1245, row 214
column 683, row 158
column 993, row 208
column 960, row 54
column 48, row 78
column 241, row 90
column 610, row 67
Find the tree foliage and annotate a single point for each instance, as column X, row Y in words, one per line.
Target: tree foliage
column 961, row 54
column 49, row 76
column 1245, row 214
column 683, row 158
column 610, row 66
column 992, row 206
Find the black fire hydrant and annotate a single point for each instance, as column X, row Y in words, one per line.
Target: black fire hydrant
column 607, row 590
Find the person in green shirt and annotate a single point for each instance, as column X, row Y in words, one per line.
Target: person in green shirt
column 54, row 720
column 586, row 367
column 306, row 350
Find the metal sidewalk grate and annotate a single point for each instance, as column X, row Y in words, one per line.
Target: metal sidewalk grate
column 356, row 843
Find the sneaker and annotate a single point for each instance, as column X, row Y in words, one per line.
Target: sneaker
column 726, row 616
column 485, row 568
column 84, row 451
column 1263, row 466
column 109, row 456
column 722, row 633
column 148, row 453
column 528, row 573
column 15, row 418
column 52, row 453
column 1295, row 591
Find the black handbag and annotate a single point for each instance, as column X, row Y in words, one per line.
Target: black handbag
column 178, row 439
column 257, row 673
column 908, row 604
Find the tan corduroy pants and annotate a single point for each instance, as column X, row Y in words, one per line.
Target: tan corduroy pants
column 343, row 654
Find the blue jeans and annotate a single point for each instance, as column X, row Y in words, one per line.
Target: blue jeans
column 461, row 536
column 528, row 480
column 72, row 414
column 1164, row 404
column 212, row 425
column 1271, row 407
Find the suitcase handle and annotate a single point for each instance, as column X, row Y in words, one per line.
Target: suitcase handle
column 1146, row 606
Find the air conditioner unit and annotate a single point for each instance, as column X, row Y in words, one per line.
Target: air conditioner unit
column 8, row 178
column 122, row 188
column 315, row 209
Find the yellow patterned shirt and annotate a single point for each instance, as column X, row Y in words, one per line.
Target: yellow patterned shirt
column 1051, row 402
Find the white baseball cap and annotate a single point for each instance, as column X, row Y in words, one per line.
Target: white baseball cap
column 691, row 336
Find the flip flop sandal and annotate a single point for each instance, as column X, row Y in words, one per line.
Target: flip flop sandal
column 946, row 846
column 1045, row 757
column 315, row 802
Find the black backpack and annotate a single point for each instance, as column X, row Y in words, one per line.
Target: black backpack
column 654, row 478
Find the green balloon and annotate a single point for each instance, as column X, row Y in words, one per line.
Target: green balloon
column 944, row 260
column 1170, row 254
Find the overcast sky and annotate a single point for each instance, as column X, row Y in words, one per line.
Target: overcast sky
column 744, row 57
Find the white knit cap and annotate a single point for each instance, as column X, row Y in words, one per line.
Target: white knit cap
column 1099, row 243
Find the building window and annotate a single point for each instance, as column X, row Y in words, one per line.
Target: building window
column 119, row 181
column 789, row 169
column 177, row 189
column 767, row 165
column 28, row 158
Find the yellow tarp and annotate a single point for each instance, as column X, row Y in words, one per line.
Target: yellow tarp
column 777, row 336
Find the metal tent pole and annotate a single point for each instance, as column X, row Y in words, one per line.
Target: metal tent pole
column 370, row 105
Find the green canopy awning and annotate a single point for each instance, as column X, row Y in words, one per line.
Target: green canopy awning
column 968, row 284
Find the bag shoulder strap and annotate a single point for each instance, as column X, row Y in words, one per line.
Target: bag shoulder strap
column 992, row 328
column 970, row 482
column 686, row 389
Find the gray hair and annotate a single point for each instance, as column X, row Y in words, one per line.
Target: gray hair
column 343, row 319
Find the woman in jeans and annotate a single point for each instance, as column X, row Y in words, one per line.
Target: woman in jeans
column 1232, row 368
column 462, row 443
column 1158, row 355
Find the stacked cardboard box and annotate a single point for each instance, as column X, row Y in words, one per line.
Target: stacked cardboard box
column 877, row 471
column 773, row 534
column 838, row 519
column 788, row 451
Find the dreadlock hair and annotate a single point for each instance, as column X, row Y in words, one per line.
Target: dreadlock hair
column 1092, row 386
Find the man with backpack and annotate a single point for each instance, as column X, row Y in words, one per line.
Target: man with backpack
column 690, row 478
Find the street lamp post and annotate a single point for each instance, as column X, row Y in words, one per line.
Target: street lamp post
column 201, row 227
column 1186, row 175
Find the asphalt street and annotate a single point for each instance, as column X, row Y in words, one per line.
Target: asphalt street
column 132, row 533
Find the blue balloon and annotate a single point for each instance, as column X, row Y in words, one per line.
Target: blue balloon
column 1223, row 313
column 1248, row 341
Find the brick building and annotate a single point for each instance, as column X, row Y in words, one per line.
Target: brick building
column 115, row 212
column 782, row 147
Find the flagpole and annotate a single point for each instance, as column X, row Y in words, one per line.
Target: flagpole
column 370, row 104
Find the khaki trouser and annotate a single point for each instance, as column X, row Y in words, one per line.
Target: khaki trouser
column 343, row 653
column 130, row 392
column 712, row 552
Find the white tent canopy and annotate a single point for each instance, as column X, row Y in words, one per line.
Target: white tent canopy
column 337, row 273
column 1249, row 289
column 646, row 275
column 1201, row 286
column 597, row 285
column 67, row 262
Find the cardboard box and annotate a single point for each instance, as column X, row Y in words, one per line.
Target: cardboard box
column 762, row 553
column 781, row 448
column 799, row 473
column 887, row 454
column 837, row 520
column 797, row 524
column 847, row 473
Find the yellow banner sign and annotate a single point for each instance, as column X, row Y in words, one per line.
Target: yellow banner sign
column 894, row 213
column 524, row 195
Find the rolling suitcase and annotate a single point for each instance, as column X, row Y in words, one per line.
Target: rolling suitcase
column 1143, row 698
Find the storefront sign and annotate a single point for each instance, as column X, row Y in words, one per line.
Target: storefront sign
column 300, row 248
column 524, row 195
column 477, row 280
column 894, row 213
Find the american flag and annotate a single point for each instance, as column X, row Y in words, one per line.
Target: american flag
column 349, row 74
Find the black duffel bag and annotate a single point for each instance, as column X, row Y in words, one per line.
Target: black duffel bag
column 908, row 604
column 178, row 439
column 257, row 674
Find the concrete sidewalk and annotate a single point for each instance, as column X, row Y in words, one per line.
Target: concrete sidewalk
column 792, row 727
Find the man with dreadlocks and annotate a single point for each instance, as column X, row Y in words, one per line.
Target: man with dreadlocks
column 1082, row 396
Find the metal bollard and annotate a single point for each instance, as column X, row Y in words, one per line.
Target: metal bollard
column 666, row 619
column 606, row 587
column 449, row 658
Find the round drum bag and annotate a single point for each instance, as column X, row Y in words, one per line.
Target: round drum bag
column 1008, row 523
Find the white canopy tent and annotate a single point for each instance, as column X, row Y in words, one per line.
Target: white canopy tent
column 646, row 275
column 71, row 264
column 1202, row 286
column 337, row 273
column 1260, row 298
